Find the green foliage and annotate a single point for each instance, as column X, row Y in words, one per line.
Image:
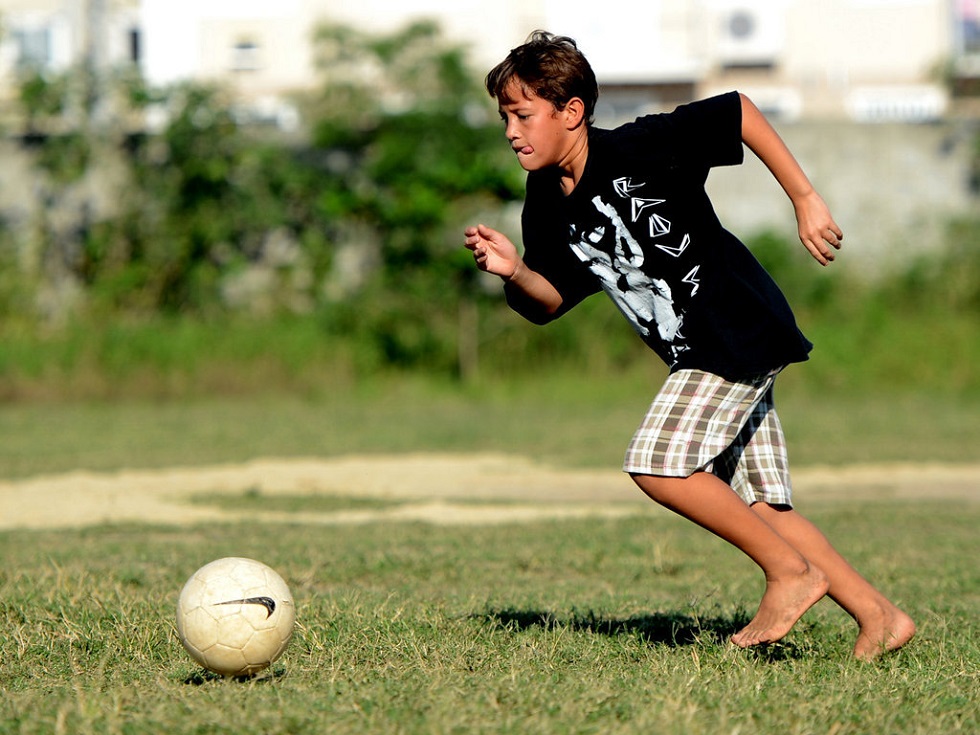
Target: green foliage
column 188, row 216
column 944, row 282
column 396, row 111
column 15, row 291
column 947, row 281
column 63, row 154
column 42, row 97
column 806, row 287
column 913, row 329
column 358, row 223
column 205, row 201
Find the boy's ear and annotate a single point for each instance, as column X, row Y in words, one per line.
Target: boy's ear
column 574, row 112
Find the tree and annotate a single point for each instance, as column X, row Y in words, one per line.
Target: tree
column 398, row 154
column 207, row 199
column 410, row 123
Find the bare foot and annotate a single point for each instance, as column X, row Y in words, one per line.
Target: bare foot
column 783, row 603
column 884, row 632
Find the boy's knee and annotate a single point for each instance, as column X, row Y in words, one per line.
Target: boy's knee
column 657, row 487
column 647, row 483
column 770, row 510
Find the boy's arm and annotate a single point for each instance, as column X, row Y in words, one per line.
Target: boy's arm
column 528, row 293
column 817, row 229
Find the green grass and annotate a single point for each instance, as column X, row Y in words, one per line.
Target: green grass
column 883, row 384
column 600, row 626
column 561, row 419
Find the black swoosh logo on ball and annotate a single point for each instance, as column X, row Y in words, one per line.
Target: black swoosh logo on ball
column 267, row 602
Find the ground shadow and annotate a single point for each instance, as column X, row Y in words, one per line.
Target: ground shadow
column 200, row 677
column 672, row 629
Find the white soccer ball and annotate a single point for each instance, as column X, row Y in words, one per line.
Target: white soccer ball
column 235, row 616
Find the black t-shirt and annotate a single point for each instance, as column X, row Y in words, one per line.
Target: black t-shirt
column 639, row 225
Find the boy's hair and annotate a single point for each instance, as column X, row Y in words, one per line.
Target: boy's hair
column 552, row 68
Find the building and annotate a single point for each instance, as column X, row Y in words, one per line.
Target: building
column 865, row 60
column 54, row 35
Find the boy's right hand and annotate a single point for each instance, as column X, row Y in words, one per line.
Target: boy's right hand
column 492, row 251
column 817, row 229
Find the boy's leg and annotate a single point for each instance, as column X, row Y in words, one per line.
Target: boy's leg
column 793, row 585
column 884, row 627
column 695, row 418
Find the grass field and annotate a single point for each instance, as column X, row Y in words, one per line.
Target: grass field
column 600, row 626
column 574, row 626
column 557, row 420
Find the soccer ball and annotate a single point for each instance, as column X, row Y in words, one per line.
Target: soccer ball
column 235, row 616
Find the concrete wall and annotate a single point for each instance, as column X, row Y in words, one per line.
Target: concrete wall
column 891, row 187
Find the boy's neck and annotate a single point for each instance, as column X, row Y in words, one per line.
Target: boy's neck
column 573, row 167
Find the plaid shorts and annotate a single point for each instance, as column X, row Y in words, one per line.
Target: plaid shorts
column 702, row 422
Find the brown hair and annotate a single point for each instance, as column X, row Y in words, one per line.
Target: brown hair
column 552, row 68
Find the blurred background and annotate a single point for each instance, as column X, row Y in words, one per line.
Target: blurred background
column 230, row 196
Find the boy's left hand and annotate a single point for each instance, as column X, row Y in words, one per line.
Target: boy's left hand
column 818, row 231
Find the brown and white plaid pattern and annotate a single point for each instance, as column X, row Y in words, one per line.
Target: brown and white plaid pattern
column 702, row 422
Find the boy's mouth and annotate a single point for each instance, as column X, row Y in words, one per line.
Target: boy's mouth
column 524, row 150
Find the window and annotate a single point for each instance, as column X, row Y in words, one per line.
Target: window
column 245, row 56
column 33, row 47
column 135, row 45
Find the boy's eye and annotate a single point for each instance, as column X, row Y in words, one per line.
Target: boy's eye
column 519, row 115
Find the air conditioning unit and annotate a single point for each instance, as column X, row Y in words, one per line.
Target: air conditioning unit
column 750, row 34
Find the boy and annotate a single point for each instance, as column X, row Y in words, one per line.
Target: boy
column 625, row 211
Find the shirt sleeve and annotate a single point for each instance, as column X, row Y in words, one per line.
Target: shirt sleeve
column 703, row 133
column 713, row 128
column 546, row 249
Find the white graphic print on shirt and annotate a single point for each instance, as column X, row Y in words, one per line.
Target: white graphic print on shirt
column 645, row 301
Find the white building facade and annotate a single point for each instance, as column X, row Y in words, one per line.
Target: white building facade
column 863, row 60
column 54, row 35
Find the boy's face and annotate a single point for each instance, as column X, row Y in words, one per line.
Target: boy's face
column 540, row 135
